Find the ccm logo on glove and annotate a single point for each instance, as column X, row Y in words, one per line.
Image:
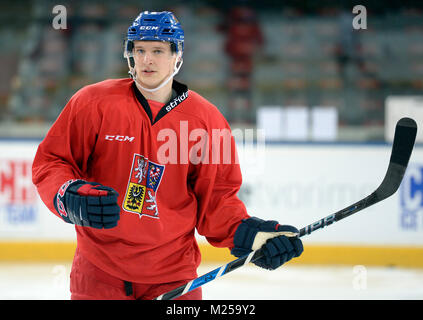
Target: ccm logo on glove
column 87, row 204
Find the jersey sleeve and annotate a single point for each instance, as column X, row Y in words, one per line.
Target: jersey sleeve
column 64, row 152
column 216, row 185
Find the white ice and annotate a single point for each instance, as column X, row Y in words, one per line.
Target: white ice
column 50, row 281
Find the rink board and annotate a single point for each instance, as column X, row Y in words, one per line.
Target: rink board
column 410, row 257
column 293, row 183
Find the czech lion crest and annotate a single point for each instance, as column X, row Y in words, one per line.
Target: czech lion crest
column 144, row 180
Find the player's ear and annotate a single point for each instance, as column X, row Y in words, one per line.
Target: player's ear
column 179, row 60
column 178, row 57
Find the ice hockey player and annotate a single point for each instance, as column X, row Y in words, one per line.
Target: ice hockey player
column 122, row 164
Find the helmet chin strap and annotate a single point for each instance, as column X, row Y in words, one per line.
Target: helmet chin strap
column 176, row 68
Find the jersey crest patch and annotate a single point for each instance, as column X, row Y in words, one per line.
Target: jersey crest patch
column 144, row 181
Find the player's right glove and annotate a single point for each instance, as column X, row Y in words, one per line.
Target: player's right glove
column 279, row 243
column 87, row 204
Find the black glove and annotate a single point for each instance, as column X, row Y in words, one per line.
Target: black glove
column 279, row 243
column 87, row 204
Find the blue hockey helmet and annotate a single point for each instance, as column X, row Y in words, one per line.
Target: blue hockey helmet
column 155, row 26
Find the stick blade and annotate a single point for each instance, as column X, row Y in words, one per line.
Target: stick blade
column 404, row 139
column 403, row 144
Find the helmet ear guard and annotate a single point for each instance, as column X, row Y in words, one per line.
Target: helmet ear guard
column 128, row 48
column 179, row 61
column 128, row 54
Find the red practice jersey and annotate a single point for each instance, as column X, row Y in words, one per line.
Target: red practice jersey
column 175, row 173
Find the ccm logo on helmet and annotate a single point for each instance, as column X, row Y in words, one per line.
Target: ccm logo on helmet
column 119, row 138
column 148, row 28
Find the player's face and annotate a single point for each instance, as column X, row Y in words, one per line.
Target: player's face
column 154, row 62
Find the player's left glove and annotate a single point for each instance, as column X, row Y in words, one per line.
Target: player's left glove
column 279, row 243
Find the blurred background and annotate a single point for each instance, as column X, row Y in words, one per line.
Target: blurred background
column 242, row 55
column 326, row 88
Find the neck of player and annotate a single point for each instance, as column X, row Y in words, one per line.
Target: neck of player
column 162, row 95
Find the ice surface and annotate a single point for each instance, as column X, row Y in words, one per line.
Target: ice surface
column 41, row 281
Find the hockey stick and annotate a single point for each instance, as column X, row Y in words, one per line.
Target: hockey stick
column 402, row 147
